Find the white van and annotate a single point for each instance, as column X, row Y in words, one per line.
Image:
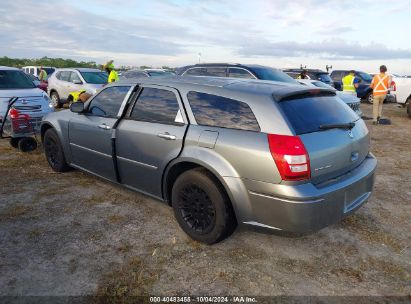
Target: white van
column 35, row 70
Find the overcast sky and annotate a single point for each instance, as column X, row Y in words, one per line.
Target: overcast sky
column 361, row 34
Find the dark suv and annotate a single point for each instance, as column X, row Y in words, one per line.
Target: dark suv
column 314, row 74
column 249, row 71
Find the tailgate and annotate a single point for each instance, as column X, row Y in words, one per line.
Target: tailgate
column 336, row 151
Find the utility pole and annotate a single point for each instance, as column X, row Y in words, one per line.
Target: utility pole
column 199, row 57
column 328, row 67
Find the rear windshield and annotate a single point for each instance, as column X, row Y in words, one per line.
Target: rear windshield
column 306, row 115
column 95, row 77
column 160, row 74
column 324, row 77
column 15, row 80
column 266, row 73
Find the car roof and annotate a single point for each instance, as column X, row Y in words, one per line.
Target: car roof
column 216, row 84
column 80, row 69
column 221, row 64
column 2, row 67
column 308, row 70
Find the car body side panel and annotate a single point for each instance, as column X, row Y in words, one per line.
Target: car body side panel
column 142, row 155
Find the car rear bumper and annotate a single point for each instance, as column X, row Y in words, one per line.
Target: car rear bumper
column 307, row 207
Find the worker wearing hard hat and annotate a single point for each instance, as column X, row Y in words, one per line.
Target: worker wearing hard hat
column 350, row 83
column 112, row 74
column 380, row 85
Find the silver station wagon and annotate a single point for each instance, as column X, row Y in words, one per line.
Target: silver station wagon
column 222, row 152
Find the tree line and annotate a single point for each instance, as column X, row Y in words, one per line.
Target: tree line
column 47, row 61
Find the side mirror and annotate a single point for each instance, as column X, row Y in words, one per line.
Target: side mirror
column 77, row 107
column 76, row 81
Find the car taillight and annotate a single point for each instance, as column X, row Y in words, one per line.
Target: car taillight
column 393, row 86
column 290, row 156
column 14, row 113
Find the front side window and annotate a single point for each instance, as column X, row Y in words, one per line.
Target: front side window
column 217, row 111
column 324, row 77
column 196, row 72
column 156, row 105
column 239, row 73
column 107, row 103
column 15, row 80
column 74, row 77
column 216, row 72
column 95, row 77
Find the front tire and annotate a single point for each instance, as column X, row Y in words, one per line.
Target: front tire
column 54, row 151
column 55, row 100
column 201, row 207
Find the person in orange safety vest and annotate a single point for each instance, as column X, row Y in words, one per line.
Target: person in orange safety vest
column 380, row 85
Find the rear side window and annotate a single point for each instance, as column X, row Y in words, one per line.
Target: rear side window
column 217, row 111
column 306, row 115
column 156, row 105
column 216, row 72
column 337, row 76
column 107, row 103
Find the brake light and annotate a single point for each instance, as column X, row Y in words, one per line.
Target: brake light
column 290, row 156
column 14, row 113
column 393, row 86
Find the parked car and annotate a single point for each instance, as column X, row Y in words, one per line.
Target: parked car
column 250, row 71
column 147, row 73
column 221, row 151
column 364, row 90
column 65, row 81
column 40, row 84
column 314, row 74
column 31, row 100
column 402, row 90
column 35, row 70
column 352, row 101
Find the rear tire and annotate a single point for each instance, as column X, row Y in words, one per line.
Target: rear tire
column 55, row 99
column 27, row 144
column 14, row 142
column 54, row 151
column 202, row 208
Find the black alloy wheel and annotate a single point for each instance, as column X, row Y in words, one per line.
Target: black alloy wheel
column 202, row 207
column 54, row 151
column 196, row 209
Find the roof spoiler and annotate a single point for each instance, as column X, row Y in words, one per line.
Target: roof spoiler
column 287, row 94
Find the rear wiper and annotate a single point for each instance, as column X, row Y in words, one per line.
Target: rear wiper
column 348, row 125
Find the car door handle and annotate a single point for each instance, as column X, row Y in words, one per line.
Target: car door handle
column 167, row 136
column 104, row 126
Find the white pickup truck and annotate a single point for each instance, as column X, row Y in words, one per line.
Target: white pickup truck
column 402, row 89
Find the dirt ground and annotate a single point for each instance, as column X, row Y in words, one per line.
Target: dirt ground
column 74, row 234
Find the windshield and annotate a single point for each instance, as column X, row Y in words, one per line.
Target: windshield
column 324, row 77
column 306, row 115
column 365, row 76
column 15, row 80
column 95, row 77
column 155, row 74
column 265, row 73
